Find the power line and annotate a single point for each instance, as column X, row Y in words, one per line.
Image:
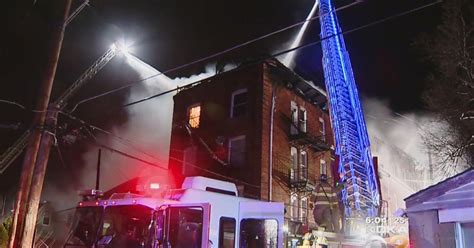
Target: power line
column 293, row 49
column 122, row 140
column 131, row 144
column 20, row 106
column 214, row 55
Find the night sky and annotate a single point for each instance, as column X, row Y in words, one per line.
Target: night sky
column 168, row 33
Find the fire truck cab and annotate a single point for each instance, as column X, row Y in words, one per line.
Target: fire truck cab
column 203, row 213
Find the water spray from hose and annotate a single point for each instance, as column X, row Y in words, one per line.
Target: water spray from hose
column 289, row 58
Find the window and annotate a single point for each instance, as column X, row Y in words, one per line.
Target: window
column 125, row 223
column 194, row 116
column 322, row 128
column 294, row 162
column 304, row 209
column 226, row 232
column 259, row 233
column 185, row 226
column 467, row 230
column 239, row 103
column 303, row 119
column 294, row 118
column 46, row 218
column 303, row 165
column 293, row 206
column 237, row 151
column 189, row 160
column 323, row 167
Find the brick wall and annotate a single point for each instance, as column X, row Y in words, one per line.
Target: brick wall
column 214, row 95
column 281, row 142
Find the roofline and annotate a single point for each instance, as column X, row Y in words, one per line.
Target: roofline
column 459, row 176
column 312, row 85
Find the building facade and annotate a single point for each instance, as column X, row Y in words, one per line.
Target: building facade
column 260, row 126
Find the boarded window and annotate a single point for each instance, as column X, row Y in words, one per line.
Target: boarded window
column 194, row 116
column 237, row 151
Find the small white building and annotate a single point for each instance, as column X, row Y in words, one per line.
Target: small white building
column 442, row 215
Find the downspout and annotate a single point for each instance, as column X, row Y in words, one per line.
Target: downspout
column 270, row 153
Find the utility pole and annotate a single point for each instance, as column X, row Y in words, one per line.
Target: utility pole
column 24, row 201
column 97, row 178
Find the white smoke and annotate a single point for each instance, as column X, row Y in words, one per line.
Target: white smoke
column 397, row 140
column 146, row 132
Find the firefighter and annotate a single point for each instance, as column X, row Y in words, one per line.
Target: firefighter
column 326, row 206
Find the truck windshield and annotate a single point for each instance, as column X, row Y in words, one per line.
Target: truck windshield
column 126, row 227
column 85, row 227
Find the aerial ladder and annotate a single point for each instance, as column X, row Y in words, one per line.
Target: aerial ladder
column 360, row 193
column 7, row 158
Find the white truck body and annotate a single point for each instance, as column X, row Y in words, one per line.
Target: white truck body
column 225, row 220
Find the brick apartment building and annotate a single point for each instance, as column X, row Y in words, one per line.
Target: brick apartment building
column 224, row 128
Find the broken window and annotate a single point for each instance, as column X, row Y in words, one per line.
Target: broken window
column 194, row 115
column 239, row 103
column 237, row 151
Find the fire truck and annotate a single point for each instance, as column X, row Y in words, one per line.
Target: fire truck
column 203, row 213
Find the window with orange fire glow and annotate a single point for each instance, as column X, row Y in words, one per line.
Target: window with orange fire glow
column 194, row 116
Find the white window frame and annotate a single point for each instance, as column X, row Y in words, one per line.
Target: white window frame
column 322, row 163
column 240, row 137
column 303, row 120
column 303, row 163
column 294, row 121
column 294, row 213
column 294, row 161
column 237, row 92
column 188, row 114
column 322, row 128
column 303, row 207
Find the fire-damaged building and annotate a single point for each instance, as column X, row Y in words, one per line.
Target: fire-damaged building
column 264, row 128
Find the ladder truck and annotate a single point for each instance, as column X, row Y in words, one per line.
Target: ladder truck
column 203, row 213
column 9, row 156
column 360, row 194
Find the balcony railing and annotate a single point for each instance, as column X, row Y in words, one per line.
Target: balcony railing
column 298, row 179
column 299, row 134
